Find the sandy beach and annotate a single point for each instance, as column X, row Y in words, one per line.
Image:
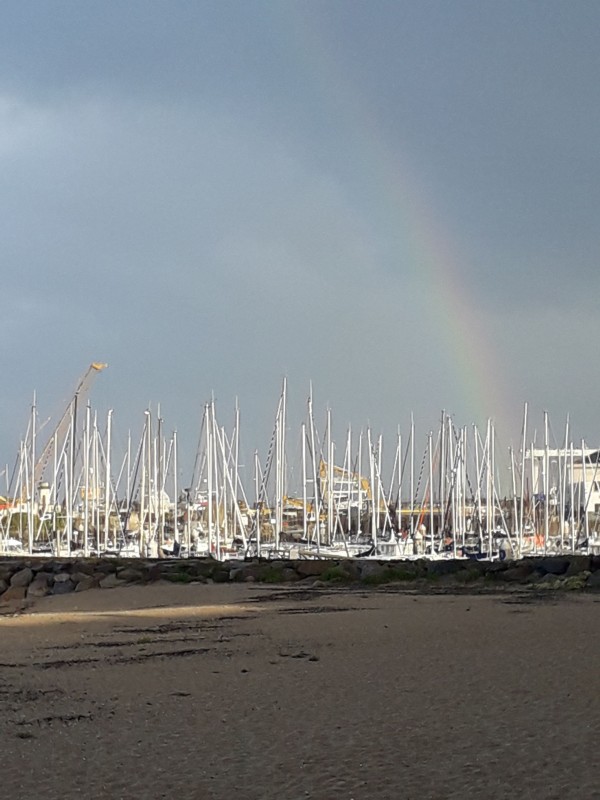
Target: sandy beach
column 254, row 691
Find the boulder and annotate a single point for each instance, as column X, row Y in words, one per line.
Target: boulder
column 490, row 567
column 53, row 565
column 549, row 581
column 201, row 567
column 579, row 564
column 62, row 577
column 518, row 573
column 64, row 587
column 372, row 569
column 480, row 566
column 195, row 568
column 552, row 565
column 81, row 567
column 49, row 576
column 444, row 567
column 105, row 567
column 351, row 568
column 236, row 563
column 77, row 577
column 22, row 578
column 110, row 581
column 308, row 568
column 13, row 594
column 38, row 587
column 593, row 581
column 270, row 572
column 221, row 576
column 3, row 585
column 88, row 582
column 154, row 573
column 130, row 575
column 288, row 575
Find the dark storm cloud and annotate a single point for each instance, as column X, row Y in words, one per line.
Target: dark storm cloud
column 211, row 195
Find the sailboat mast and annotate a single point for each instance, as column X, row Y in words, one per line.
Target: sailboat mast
column 522, row 499
column 31, row 491
column 412, row 476
column 107, row 497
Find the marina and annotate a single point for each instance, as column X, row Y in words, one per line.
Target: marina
column 71, row 492
column 299, row 453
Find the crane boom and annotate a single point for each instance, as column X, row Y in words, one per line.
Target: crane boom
column 62, row 426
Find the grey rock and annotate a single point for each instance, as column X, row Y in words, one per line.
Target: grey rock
column 110, row 582
column 444, row 567
column 22, row 578
column 548, row 579
column 62, row 577
column 518, row 573
column 154, row 573
column 77, row 577
column 3, row 585
column 201, row 567
column 593, row 581
column 579, row 564
column 38, row 587
column 88, row 582
column 49, row 576
column 288, row 575
column 129, row 575
column 239, row 575
column 553, row 566
column 306, row 568
column 369, row 569
column 236, row 563
column 63, row 588
column 85, row 567
column 106, row 567
column 351, row 568
column 54, row 566
column 495, row 566
column 258, row 571
column 13, row 594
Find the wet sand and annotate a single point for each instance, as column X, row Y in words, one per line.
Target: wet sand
column 256, row 692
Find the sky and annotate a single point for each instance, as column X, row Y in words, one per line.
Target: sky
column 397, row 201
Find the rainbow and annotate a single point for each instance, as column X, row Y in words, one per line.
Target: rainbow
column 430, row 257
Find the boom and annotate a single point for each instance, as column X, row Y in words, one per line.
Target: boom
column 62, row 427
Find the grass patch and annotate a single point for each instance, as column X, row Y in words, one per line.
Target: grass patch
column 272, row 575
column 490, row 577
column 390, row 575
column 336, row 575
column 178, row 577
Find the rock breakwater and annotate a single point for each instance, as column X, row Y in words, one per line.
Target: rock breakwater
column 25, row 579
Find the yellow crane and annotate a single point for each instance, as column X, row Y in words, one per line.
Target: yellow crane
column 60, row 431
